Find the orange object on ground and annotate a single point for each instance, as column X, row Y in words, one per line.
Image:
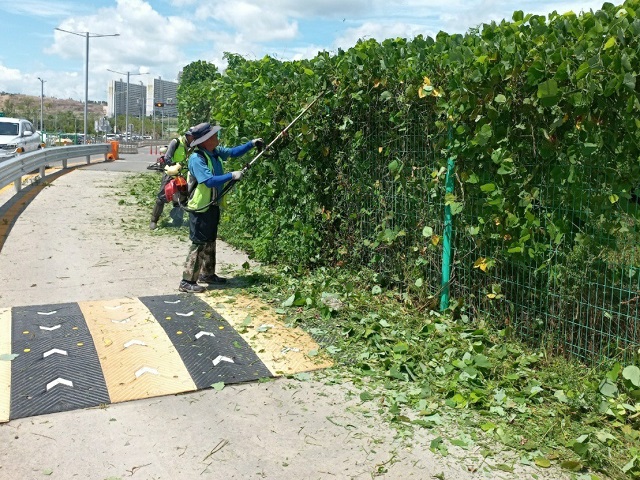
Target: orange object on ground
column 114, row 149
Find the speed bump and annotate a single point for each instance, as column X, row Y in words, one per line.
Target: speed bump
column 63, row 357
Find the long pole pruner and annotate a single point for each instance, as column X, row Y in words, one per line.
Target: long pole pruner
column 281, row 134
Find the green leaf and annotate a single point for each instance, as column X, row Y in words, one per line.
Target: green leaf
column 500, row 99
column 548, row 89
column 376, row 290
column 427, row 232
column 484, row 134
column 386, row 95
column 489, row 426
column 632, row 374
column 610, row 43
column 473, row 179
column 218, row 386
column 630, row 81
column 366, row 396
column 543, row 462
column 504, row 467
column 608, row 389
column 571, row 465
column 308, row 71
column 630, row 464
column 560, row 395
column 488, row 187
column 7, row 357
column 393, row 166
column 583, row 70
column 302, row 377
column 456, row 207
column 289, row 301
column 419, row 282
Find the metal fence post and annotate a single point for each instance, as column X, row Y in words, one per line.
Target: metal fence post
column 447, row 233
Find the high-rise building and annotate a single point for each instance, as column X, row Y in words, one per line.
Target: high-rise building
column 117, row 94
column 157, row 100
column 164, row 93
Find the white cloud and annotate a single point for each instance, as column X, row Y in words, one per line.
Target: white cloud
column 8, row 76
column 38, row 8
column 256, row 23
column 147, row 42
column 379, row 31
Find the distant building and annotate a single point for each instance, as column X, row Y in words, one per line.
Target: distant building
column 159, row 95
column 156, row 100
column 165, row 93
column 117, row 95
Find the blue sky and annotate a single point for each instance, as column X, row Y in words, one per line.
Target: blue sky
column 157, row 38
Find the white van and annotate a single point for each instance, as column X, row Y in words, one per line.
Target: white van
column 17, row 136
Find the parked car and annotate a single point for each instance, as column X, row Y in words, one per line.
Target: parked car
column 17, row 136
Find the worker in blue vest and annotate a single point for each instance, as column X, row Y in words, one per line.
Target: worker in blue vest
column 205, row 181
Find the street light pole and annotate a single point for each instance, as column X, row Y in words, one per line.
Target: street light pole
column 87, row 35
column 41, row 101
column 142, row 109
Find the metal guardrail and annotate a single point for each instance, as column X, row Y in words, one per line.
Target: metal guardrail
column 13, row 169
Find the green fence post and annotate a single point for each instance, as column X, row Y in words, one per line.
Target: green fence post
column 447, row 233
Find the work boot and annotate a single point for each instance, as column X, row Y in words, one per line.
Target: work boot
column 153, row 225
column 190, row 287
column 213, row 278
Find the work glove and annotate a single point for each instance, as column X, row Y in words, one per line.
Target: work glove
column 237, row 175
column 172, row 170
column 258, row 143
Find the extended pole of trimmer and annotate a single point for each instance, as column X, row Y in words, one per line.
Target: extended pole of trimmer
column 231, row 183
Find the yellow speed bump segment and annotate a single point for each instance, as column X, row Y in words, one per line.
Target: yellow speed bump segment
column 137, row 357
column 283, row 350
column 5, row 364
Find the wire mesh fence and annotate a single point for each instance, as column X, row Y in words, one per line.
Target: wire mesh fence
column 577, row 297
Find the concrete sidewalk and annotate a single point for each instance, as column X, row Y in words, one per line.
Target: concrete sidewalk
column 68, row 245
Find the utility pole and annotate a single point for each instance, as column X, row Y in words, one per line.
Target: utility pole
column 41, row 101
column 87, row 35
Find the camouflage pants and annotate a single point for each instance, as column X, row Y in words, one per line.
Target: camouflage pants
column 201, row 260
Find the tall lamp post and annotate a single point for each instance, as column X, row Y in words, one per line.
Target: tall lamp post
column 41, row 101
column 87, row 35
column 143, row 110
column 126, row 108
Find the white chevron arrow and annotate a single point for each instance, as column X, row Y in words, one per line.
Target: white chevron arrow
column 172, row 303
column 48, row 313
column 121, row 321
column 54, row 350
column 130, row 343
column 184, row 314
column 220, row 358
column 202, row 334
column 144, row 370
column 49, row 329
column 59, row 381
